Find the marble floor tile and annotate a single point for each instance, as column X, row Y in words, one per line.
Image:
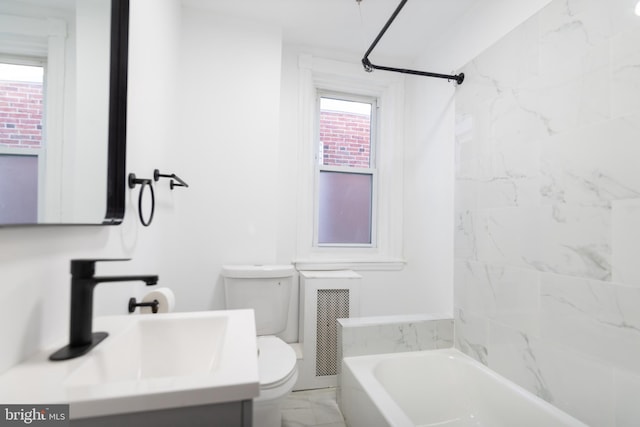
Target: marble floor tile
column 312, row 408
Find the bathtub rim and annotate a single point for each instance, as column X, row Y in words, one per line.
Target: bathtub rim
column 362, row 369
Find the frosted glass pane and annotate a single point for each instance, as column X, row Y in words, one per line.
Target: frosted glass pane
column 344, row 208
column 18, row 189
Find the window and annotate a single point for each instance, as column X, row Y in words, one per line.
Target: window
column 349, row 203
column 346, row 173
column 21, row 141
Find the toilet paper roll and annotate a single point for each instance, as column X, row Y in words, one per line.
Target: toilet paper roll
column 165, row 297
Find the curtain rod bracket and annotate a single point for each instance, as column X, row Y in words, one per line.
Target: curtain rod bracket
column 369, row 66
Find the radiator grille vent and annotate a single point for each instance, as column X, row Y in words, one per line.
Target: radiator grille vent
column 332, row 304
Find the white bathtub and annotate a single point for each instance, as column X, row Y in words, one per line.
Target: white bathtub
column 442, row 388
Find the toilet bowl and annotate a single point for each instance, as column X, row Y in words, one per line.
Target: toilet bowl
column 267, row 290
column 278, row 374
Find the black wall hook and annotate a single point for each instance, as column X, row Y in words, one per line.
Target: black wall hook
column 133, row 181
column 144, row 182
column 180, row 183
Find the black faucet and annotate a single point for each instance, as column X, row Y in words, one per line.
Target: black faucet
column 81, row 337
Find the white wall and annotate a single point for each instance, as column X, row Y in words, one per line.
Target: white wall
column 429, row 191
column 226, row 148
column 420, row 286
column 430, row 151
column 85, row 165
column 214, row 100
column 479, row 28
column 34, row 262
column 204, row 104
column 154, row 45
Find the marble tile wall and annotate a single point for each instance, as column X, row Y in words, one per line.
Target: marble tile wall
column 393, row 334
column 547, row 244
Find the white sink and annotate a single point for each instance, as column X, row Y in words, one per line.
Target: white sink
column 147, row 362
column 156, row 347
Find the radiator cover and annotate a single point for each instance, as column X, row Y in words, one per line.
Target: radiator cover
column 324, row 297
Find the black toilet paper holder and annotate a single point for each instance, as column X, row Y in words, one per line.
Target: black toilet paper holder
column 153, row 304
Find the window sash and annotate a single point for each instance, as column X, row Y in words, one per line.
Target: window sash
column 40, row 152
column 371, row 170
column 374, row 204
column 373, row 122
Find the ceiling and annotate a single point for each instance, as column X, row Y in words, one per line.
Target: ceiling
column 348, row 26
column 343, row 26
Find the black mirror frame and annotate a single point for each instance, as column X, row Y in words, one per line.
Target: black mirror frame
column 116, row 168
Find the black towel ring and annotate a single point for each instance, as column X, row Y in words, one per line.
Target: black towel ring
column 133, row 181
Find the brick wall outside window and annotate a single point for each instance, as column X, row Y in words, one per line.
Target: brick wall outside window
column 345, row 139
column 20, row 114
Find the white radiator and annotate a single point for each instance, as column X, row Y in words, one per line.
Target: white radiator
column 324, row 297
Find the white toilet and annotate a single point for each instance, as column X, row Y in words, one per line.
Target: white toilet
column 266, row 289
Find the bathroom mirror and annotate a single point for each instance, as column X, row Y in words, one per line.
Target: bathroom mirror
column 63, row 96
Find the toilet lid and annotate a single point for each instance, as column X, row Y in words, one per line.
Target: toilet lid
column 276, row 361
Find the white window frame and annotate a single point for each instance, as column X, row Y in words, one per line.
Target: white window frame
column 371, row 170
column 318, row 75
column 39, row 152
column 26, row 36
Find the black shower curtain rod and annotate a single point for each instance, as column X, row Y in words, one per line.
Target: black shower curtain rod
column 369, row 67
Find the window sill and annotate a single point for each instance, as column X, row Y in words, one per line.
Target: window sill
column 382, row 264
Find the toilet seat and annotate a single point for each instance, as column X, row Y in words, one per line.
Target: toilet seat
column 276, row 362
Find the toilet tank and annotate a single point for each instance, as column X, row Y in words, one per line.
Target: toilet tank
column 264, row 288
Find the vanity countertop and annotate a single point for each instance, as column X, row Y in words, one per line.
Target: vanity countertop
column 147, row 362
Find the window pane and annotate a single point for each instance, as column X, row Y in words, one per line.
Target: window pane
column 21, row 100
column 345, row 133
column 344, row 208
column 18, row 189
